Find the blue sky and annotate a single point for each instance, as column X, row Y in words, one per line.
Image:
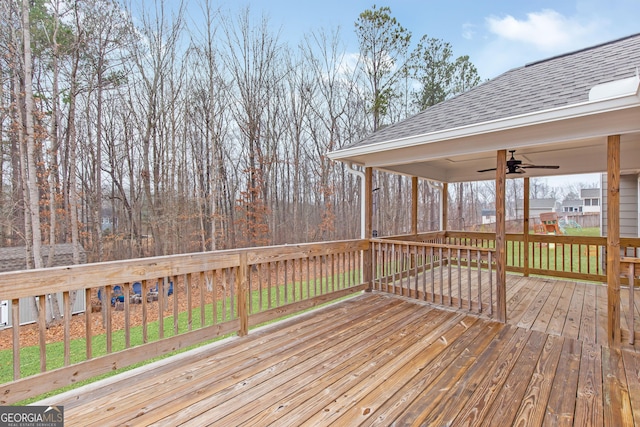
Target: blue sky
column 497, row 35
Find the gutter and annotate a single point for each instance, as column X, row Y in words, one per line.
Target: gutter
column 438, row 187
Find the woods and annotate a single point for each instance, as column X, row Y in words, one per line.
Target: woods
column 156, row 128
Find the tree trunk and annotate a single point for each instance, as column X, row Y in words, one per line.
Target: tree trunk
column 33, row 198
column 71, row 145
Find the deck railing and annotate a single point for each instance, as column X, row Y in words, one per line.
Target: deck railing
column 448, row 275
column 630, row 268
column 569, row 257
column 189, row 299
column 199, row 297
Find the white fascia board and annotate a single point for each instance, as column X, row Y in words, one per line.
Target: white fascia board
column 536, row 118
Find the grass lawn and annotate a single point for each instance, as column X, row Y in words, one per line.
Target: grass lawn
column 589, row 231
column 260, row 301
column 560, row 257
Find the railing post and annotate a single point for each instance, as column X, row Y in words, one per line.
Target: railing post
column 613, row 240
column 367, row 272
column 414, row 205
column 501, row 243
column 632, row 281
column 444, row 208
column 525, row 230
column 243, row 295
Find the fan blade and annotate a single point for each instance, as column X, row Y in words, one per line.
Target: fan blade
column 487, row 170
column 539, row 167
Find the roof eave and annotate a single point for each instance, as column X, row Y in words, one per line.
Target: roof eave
column 568, row 112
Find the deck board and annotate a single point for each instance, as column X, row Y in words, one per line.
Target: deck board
column 560, row 314
column 533, row 309
column 380, row 359
column 479, row 404
column 589, row 317
column 282, row 355
column 550, row 307
column 615, row 390
column 589, row 405
column 517, row 308
column 602, row 309
column 510, row 397
column 535, row 400
column 455, row 398
column 560, row 410
column 421, row 370
column 632, row 371
column 355, row 403
column 416, row 400
column 572, row 321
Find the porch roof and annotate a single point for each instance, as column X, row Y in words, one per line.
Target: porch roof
column 557, row 111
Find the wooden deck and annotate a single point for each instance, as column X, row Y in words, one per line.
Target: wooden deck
column 383, row 359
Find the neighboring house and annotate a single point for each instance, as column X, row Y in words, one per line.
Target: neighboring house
column 108, row 219
column 488, row 216
column 590, row 200
column 628, row 205
column 107, row 224
column 536, row 207
column 15, row 258
column 572, row 206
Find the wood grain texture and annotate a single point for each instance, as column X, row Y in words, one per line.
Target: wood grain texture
column 613, row 240
column 501, row 241
column 533, row 404
column 380, row 359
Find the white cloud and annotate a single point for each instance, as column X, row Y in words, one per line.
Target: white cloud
column 512, row 42
column 468, row 31
column 547, row 31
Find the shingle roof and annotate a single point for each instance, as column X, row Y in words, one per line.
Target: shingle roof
column 572, row 203
column 547, row 203
column 555, row 82
column 15, row 258
column 590, row 193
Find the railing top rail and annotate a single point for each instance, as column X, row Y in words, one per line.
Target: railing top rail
column 471, row 234
column 433, row 245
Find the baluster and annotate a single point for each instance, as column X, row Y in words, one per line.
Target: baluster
column 632, row 279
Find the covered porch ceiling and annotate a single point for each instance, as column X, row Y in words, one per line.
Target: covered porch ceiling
column 573, row 138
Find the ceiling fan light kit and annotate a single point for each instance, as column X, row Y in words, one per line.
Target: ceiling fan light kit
column 516, row 166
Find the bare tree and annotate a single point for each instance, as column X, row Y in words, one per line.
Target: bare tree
column 33, row 198
column 208, row 113
column 252, row 59
column 152, row 53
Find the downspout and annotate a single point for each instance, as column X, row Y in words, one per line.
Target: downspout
column 432, row 184
column 437, row 186
column 363, row 207
column 360, row 174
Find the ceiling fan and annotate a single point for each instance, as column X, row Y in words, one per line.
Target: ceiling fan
column 516, row 166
